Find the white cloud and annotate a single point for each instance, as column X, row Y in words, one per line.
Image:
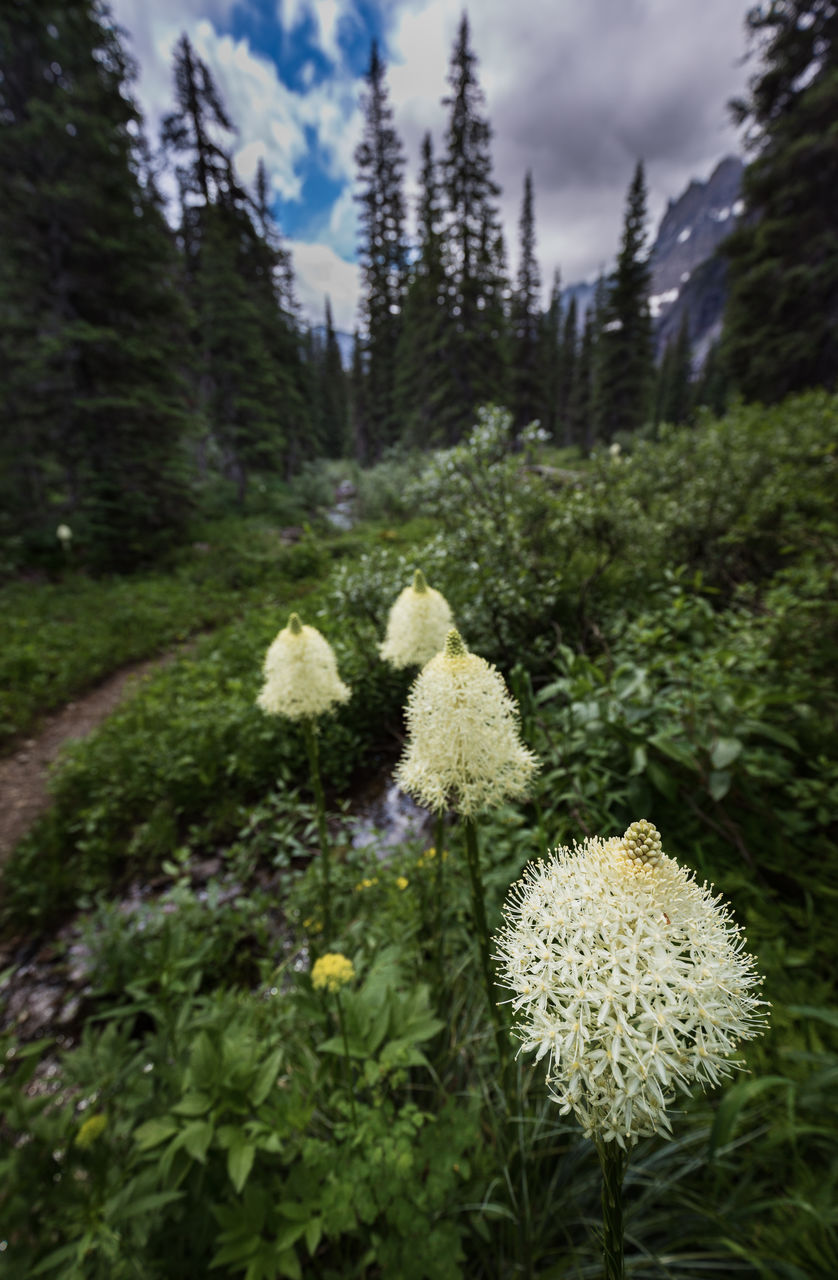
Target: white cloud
column 319, row 272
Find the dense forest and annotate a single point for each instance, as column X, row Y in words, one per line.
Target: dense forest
column 391, row 924
column 153, row 358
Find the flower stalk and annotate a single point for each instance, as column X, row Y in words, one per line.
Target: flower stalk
column 613, row 1160
column 310, row 735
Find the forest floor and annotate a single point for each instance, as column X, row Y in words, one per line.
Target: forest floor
column 24, row 773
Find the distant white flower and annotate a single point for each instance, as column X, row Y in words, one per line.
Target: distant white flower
column 301, row 674
column 418, row 623
column 629, row 977
column 64, row 534
column 463, row 747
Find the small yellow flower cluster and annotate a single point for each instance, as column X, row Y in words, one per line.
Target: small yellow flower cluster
column 428, row 858
column 402, row 882
column 463, row 747
column 417, row 625
column 301, row 674
column 313, row 925
column 332, row 971
column 368, row 883
column 93, row 1128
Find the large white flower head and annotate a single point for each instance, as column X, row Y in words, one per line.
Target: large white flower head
column 301, row 674
column 629, row 977
column 417, row 625
column 463, row 747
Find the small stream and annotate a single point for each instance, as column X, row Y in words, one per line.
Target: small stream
column 45, row 986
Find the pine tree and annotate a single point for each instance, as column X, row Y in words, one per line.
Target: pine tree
column 580, row 408
column 474, row 245
column 673, row 401
column 625, row 360
column 425, row 387
column 781, row 322
column 91, row 321
column 527, row 369
column 550, row 358
column 383, row 257
column 334, row 422
column 569, row 425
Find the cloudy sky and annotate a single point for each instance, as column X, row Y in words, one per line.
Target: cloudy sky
column 576, row 91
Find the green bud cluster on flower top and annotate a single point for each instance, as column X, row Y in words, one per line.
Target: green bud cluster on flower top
column 643, row 842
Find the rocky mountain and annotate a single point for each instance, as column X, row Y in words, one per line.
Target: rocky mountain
column 688, row 275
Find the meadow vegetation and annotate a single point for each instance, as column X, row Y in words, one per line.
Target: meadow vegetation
column 666, row 616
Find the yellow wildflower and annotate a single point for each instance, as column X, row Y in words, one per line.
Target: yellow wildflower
column 332, row 971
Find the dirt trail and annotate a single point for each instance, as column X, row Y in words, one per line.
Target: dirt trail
column 23, row 775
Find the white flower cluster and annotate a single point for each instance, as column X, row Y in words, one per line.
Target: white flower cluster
column 463, row 747
column 418, row 623
column 301, row 674
column 629, row 977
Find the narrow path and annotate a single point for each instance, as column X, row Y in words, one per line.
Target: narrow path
column 23, row 775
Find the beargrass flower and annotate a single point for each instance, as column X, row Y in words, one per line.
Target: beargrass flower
column 331, row 972
column 417, row 625
column 301, row 674
column 463, row 747
column 64, row 534
column 629, row 977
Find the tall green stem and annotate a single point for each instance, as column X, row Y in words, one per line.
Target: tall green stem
column 614, row 1162
column 479, row 909
column 348, row 1060
column 439, row 837
column 320, row 804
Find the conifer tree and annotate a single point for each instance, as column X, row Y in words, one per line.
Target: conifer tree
column 334, row 421
column 580, row 405
column 781, row 322
column 425, row 387
column 625, row 359
column 673, row 389
column 383, row 257
column 570, row 427
column 527, row 367
column 550, row 358
column 91, row 321
column 474, row 246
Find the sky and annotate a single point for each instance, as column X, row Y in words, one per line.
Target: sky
column 576, row 92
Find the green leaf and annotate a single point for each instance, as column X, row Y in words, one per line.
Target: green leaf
column 288, row 1265
column 196, row 1138
column 638, row 760
column 829, row 1016
column 732, row 1104
column 240, row 1162
column 718, row 783
column 266, row 1078
column 192, row 1104
column 149, row 1204
column 724, row 752
column 314, row 1231
column 153, row 1132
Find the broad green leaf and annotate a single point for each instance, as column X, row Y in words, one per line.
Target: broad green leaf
column 724, row 752
column 718, row 784
column 314, row 1231
column 153, row 1132
column 240, row 1162
column 288, row 1265
column 829, row 1016
column 266, row 1078
column 638, row 759
column 192, row 1104
column 196, row 1138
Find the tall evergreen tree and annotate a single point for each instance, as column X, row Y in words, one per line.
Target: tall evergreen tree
column 424, row 376
column 570, row 427
column 91, row 321
column 625, row 359
column 781, row 322
column 383, row 256
column 334, row 422
column 474, row 246
column 673, row 388
column 527, row 370
column 580, row 404
column 550, row 358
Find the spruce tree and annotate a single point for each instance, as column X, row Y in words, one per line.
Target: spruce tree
column 625, row 360
column 781, row 322
column 580, row 405
column 382, row 257
column 673, row 388
column 473, row 243
column 550, row 358
column 569, row 425
column 425, row 384
column 92, row 326
column 334, row 422
column 527, row 368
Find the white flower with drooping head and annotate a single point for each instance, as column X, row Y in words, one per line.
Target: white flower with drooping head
column 301, row 674
column 417, row 625
column 629, row 977
column 463, row 747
